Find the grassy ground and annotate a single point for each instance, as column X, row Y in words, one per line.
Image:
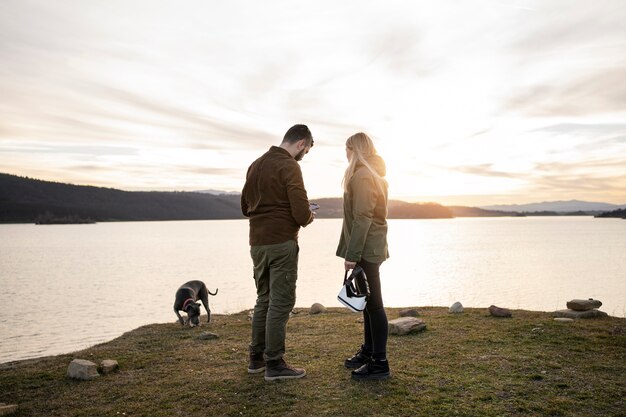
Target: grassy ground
column 462, row 365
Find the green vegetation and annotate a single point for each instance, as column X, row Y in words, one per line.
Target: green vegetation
column 463, row 365
column 619, row 213
column 26, row 200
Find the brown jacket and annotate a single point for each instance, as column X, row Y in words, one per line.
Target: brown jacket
column 364, row 229
column 274, row 198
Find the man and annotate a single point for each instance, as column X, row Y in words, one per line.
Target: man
column 275, row 200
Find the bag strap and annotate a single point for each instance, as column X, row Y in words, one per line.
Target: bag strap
column 348, row 281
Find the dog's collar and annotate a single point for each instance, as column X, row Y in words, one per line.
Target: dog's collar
column 187, row 302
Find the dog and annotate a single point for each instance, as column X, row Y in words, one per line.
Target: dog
column 186, row 297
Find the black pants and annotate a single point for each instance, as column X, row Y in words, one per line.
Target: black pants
column 375, row 327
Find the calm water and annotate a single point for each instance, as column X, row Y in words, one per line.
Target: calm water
column 67, row 287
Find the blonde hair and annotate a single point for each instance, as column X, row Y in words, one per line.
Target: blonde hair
column 362, row 148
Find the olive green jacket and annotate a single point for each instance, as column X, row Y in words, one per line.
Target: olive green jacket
column 364, row 229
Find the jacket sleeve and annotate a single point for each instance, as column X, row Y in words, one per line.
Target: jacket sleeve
column 244, row 206
column 296, row 193
column 244, row 200
column 364, row 203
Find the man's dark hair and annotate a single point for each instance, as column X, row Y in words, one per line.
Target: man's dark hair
column 298, row 132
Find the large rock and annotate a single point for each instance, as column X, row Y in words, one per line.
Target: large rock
column 584, row 305
column 82, row 369
column 409, row 312
column 317, row 308
column 499, row 311
column 573, row 314
column 406, row 325
column 456, row 308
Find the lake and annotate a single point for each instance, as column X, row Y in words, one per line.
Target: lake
column 67, row 287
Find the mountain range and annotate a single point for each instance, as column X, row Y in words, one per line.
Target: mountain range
column 556, row 206
column 27, row 200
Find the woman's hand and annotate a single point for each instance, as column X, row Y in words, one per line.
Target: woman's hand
column 349, row 265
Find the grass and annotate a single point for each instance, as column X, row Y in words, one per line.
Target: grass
column 463, row 365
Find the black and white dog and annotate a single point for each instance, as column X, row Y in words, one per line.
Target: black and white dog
column 186, row 297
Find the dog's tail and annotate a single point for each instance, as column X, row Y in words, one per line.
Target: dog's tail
column 217, row 289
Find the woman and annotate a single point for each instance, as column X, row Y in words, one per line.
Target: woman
column 363, row 242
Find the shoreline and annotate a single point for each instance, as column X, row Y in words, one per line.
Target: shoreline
column 465, row 364
column 300, row 310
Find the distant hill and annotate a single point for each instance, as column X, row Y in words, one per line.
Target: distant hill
column 557, row 206
column 619, row 213
column 404, row 210
column 26, row 200
column 217, row 192
column 463, row 211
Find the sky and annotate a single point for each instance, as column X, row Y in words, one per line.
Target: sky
column 472, row 102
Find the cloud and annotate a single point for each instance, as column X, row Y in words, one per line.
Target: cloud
column 584, row 185
column 585, row 128
column 399, row 49
column 230, row 172
column 91, row 150
column 598, row 93
column 558, row 27
column 487, row 170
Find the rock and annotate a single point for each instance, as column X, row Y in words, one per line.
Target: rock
column 456, row 308
column 563, row 320
column 573, row 314
column 406, row 325
column 499, row 311
column 360, row 319
column 82, row 369
column 6, row 409
column 584, row 305
column 317, row 308
column 409, row 312
column 108, row 366
column 207, row 336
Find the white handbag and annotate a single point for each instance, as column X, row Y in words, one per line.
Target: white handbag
column 351, row 294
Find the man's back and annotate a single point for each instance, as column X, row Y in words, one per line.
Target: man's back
column 275, row 199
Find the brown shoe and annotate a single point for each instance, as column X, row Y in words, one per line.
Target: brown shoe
column 279, row 369
column 256, row 364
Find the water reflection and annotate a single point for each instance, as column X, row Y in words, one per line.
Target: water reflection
column 68, row 287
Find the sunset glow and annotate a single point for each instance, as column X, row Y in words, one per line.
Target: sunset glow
column 475, row 103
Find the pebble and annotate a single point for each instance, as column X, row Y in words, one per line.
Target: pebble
column 317, row 308
column 499, row 311
column 409, row 312
column 456, row 308
column 207, row 336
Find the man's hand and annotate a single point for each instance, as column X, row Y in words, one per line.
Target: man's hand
column 349, row 265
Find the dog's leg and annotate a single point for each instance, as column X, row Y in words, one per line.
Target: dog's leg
column 204, row 297
column 180, row 318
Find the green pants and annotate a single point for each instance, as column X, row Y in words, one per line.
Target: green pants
column 275, row 275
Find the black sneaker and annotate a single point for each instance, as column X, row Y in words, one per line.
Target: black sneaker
column 359, row 359
column 374, row 370
column 279, row 369
column 256, row 364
